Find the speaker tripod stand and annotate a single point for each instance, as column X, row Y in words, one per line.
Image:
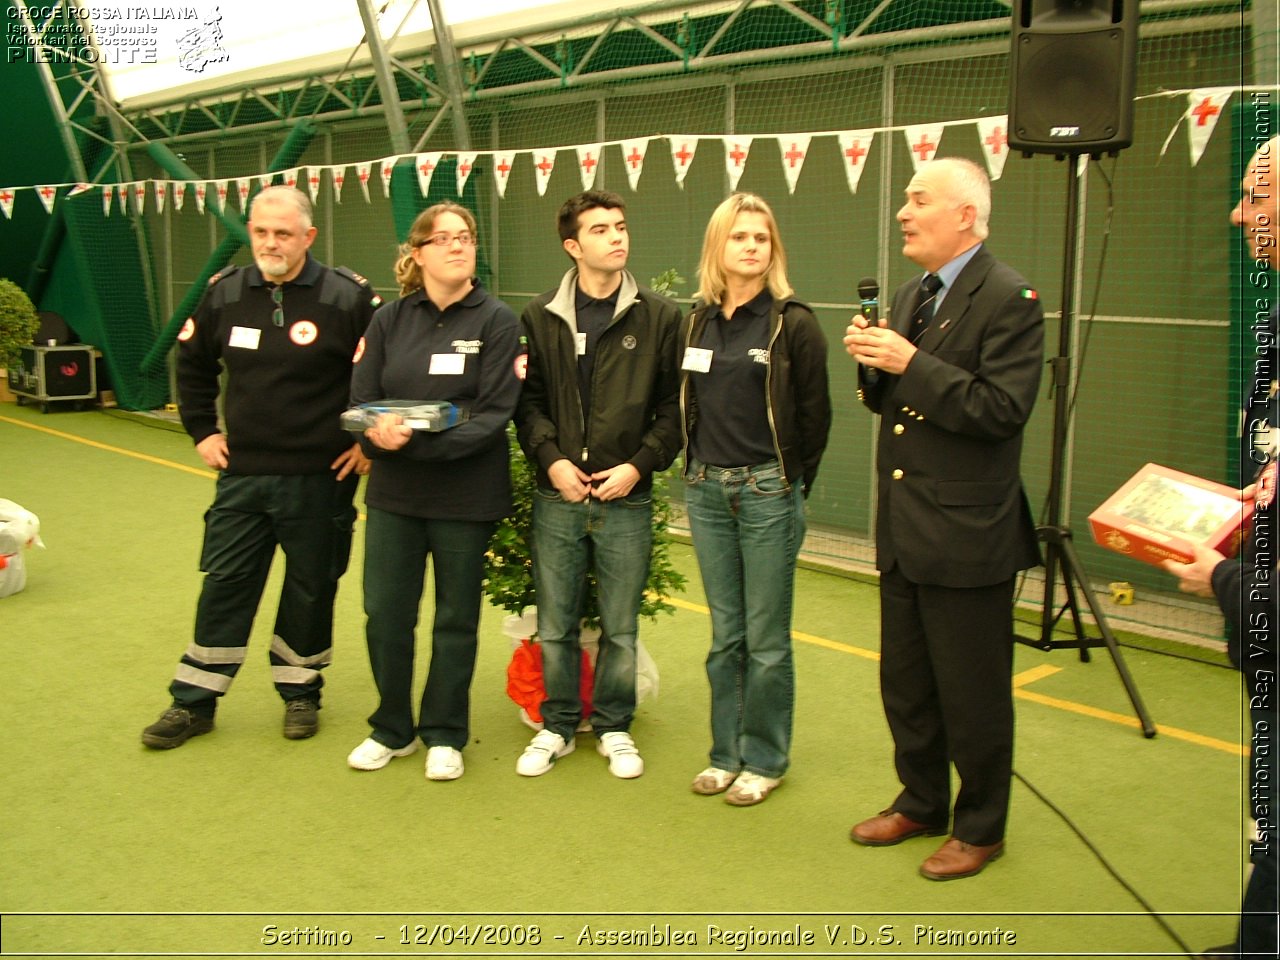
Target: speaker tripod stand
column 1060, row 553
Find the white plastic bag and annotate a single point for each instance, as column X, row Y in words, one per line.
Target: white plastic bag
column 19, row 528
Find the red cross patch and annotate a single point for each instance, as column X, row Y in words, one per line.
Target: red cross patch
column 303, row 333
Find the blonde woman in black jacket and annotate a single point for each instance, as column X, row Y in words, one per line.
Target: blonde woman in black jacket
column 756, row 413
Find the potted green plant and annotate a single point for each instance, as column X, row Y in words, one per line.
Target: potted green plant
column 18, row 321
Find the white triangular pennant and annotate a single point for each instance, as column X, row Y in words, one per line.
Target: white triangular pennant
column 138, row 190
column 588, row 163
column 179, row 194
column 855, row 147
column 466, row 163
column 122, row 195
column 290, row 177
column 107, row 191
column 794, row 147
column 201, row 192
column 337, row 176
column 6, row 202
column 544, row 163
column 1203, row 113
column 736, row 150
column 313, row 182
column 158, row 188
column 362, row 172
column 922, row 142
column 242, row 189
column 78, row 189
column 993, row 132
column 502, row 161
column 222, row 190
column 682, row 151
column 633, row 152
column 46, row 195
column 426, row 164
column 264, row 180
column 388, row 164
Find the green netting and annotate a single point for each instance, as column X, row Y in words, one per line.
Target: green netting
column 1152, row 346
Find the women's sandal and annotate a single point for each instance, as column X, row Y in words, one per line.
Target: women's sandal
column 713, row 780
column 750, row 789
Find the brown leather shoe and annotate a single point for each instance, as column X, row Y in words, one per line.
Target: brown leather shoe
column 889, row 827
column 956, row 859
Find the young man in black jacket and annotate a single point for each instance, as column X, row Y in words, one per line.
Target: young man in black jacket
column 599, row 414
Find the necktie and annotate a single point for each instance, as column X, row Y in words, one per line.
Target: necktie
column 923, row 314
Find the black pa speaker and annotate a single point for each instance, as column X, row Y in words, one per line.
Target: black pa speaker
column 1071, row 75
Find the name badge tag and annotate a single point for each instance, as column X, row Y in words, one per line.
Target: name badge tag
column 580, row 342
column 447, row 363
column 696, row 359
column 246, row 338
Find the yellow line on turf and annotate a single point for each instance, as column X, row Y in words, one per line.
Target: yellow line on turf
column 1019, row 682
column 110, row 449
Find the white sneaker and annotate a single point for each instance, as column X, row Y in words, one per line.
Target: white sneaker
column 372, row 755
column 624, row 759
column 542, row 753
column 443, row 763
column 750, row 789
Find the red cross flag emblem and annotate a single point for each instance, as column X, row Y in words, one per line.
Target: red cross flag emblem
column 303, row 333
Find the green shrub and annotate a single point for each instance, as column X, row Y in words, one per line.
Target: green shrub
column 18, row 321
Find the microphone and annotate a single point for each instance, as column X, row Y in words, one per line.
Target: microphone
column 869, row 293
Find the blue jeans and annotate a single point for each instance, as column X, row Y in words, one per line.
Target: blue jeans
column 611, row 539
column 748, row 525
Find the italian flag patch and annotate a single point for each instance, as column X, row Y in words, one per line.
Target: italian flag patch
column 1029, row 294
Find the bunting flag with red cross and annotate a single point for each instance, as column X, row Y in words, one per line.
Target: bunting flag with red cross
column 993, row 134
column 242, row 191
column 138, row 190
column 159, row 192
column 337, row 177
column 122, row 196
column 78, row 189
column 588, row 163
column 1203, row 112
column 736, row 150
column 425, row 164
column 795, row 148
column 107, row 192
column 502, row 161
column 633, row 152
column 313, row 182
column 466, row 164
column 544, row 163
column 46, row 194
column 290, row 177
column 202, row 190
column 179, row 194
column 6, row 202
column 922, row 142
column 384, row 169
column 264, row 181
column 855, row 147
column 362, row 174
column 222, row 190
column 682, row 151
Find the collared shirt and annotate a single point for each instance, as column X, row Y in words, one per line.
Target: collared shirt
column 950, row 271
column 732, row 429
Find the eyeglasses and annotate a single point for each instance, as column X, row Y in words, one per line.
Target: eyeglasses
column 447, row 240
column 277, row 297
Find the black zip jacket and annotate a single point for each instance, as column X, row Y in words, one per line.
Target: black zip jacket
column 635, row 414
column 798, row 398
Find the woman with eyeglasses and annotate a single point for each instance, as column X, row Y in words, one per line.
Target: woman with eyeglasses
column 436, row 494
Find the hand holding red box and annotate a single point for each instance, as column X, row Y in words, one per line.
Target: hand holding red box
column 1163, row 514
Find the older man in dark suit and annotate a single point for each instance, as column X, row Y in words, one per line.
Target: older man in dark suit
column 954, row 375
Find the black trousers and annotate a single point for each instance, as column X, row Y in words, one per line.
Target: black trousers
column 310, row 517
column 946, row 670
